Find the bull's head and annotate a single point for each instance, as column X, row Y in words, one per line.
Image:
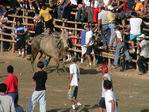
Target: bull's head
column 64, row 37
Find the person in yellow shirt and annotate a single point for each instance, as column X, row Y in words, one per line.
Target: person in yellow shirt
column 47, row 17
column 139, row 7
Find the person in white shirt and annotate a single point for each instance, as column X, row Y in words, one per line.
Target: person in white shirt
column 89, row 44
column 74, row 83
column 106, row 2
column 6, row 102
column 110, row 100
column 143, row 45
column 135, row 29
column 103, row 69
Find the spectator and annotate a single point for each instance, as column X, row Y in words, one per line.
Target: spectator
column 131, row 4
column 81, row 13
column 83, row 43
column 89, row 44
column 103, row 69
column 6, row 104
column 110, row 100
column 103, row 24
column 39, row 93
column 68, row 6
column 146, row 8
column 139, row 7
column 39, row 26
column 3, row 19
column 119, row 45
column 135, row 29
column 74, row 78
column 106, row 2
column 47, row 17
column 21, row 32
column 12, row 84
column 88, row 9
column 111, row 21
column 144, row 55
column 60, row 8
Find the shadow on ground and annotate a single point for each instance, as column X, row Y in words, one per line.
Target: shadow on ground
column 145, row 110
column 52, row 69
column 85, row 108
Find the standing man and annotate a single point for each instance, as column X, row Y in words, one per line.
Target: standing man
column 144, row 54
column 89, row 44
column 6, row 102
column 110, row 100
column 74, row 83
column 103, row 69
column 135, row 29
column 21, row 32
column 103, row 24
column 11, row 82
column 39, row 94
column 83, row 45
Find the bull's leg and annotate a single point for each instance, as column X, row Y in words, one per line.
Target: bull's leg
column 33, row 57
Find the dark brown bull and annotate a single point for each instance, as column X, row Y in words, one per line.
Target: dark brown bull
column 53, row 46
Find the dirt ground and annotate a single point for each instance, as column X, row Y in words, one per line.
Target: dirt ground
column 131, row 89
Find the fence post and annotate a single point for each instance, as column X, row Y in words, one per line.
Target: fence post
column 13, row 44
column 1, row 36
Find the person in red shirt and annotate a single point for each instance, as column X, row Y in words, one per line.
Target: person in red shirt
column 12, row 84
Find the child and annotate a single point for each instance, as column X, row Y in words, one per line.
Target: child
column 103, row 68
column 110, row 100
column 38, row 95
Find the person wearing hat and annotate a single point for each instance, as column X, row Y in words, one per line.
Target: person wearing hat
column 143, row 45
column 103, row 69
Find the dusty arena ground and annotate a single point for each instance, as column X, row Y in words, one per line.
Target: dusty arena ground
column 132, row 90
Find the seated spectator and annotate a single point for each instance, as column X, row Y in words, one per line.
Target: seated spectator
column 135, row 30
column 6, row 104
column 12, row 84
column 139, row 7
column 143, row 45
